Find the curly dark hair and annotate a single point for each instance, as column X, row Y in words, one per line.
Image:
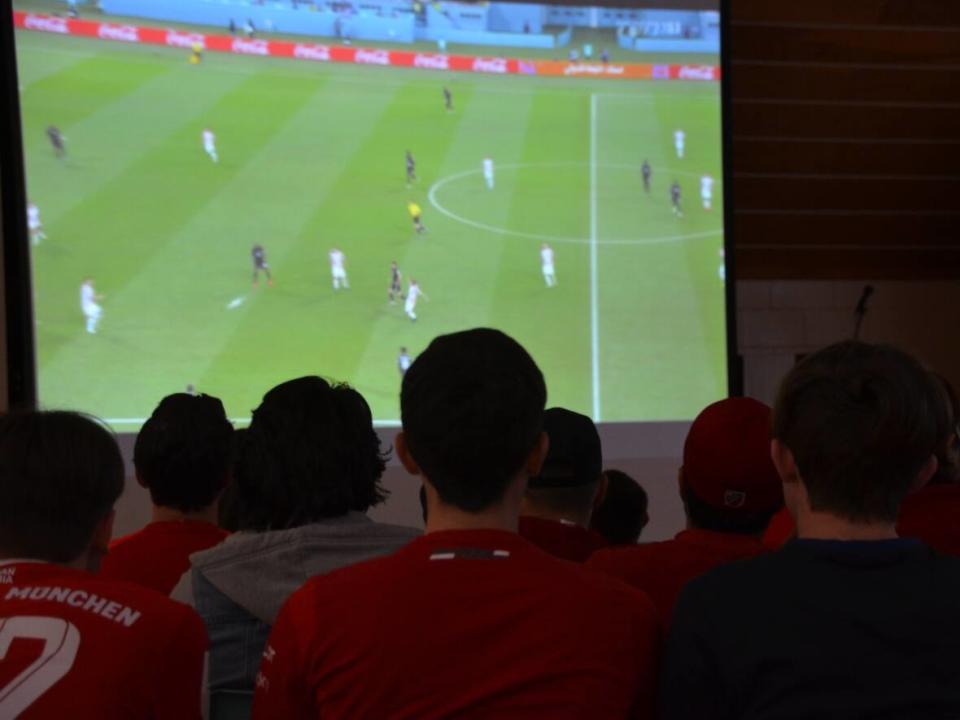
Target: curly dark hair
column 310, row 453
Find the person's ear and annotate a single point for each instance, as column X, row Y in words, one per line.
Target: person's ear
column 784, row 462
column 537, row 456
column 681, row 483
column 140, row 481
column 103, row 533
column 928, row 470
column 403, row 452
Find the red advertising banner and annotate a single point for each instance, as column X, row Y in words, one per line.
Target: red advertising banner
column 361, row 56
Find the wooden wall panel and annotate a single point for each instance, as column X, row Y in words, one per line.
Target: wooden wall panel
column 776, row 156
column 846, row 138
column 913, row 13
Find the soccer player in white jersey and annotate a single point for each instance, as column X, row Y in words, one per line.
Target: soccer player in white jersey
column 338, row 270
column 679, row 137
column 546, row 265
column 413, row 292
column 210, row 144
column 33, row 223
column 88, row 305
column 706, row 191
column 488, row 172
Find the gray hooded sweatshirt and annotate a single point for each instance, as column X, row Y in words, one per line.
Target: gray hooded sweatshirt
column 240, row 585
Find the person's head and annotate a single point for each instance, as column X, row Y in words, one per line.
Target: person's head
column 472, row 411
column 403, row 351
column 622, row 515
column 570, row 483
column 310, row 453
column 728, row 482
column 854, row 428
column 60, row 475
column 183, row 452
column 948, row 449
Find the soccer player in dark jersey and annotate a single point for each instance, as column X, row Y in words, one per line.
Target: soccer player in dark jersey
column 396, row 287
column 448, row 99
column 56, row 139
column 411, row 169
column 646, row 172
column 675, row 198
column 260, row 263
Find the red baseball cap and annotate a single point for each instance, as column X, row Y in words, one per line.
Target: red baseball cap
column 726, row 458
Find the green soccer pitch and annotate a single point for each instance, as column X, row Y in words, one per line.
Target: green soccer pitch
column 311, row 158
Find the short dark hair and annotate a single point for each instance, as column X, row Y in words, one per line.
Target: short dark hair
column 622, row 515
column 183, row 452
column 704, row 516
column 861, row 421
column 472, row 408
column 309, row 454
column 60, row 474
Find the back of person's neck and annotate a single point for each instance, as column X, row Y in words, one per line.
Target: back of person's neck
column 168, row 514
column 531, row 510
column 447, row 517
column 817, row 525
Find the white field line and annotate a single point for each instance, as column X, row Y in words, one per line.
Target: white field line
column 594, row 319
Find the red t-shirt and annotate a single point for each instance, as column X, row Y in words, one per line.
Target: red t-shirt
column 662, row 569
column 465, row 624
column 159, row 554
column 561, row 539
column 932, row 514
column 780, row 530
column 75, row 646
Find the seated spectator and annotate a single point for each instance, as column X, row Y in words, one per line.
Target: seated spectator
column 848, row 620
column 929, row 513
column 73, row 644
column 556, row 510
column 471, row 620
column 309, row 468
column 932, row 513
column 730, row 489
column 622, row 515
column 182, row 456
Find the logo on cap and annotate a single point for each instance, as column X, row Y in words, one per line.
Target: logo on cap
column 734, row 498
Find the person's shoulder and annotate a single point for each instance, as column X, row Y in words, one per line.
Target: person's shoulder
column 576, row 582
column 741, row 577
column 120, row 542
column 400, row 532
column 633, row 557
column 341, row 584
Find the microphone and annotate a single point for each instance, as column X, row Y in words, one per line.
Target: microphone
column 861, row 309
